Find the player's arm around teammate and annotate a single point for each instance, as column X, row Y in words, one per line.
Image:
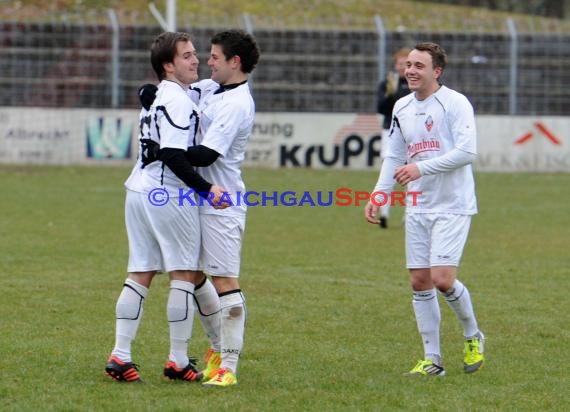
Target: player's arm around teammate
column 163, row 237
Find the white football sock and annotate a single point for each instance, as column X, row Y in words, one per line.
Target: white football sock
column 459, row 300
column 129, row 311
column 208, row 306
column 428, row 318
column 180, row 311
column 233, row 318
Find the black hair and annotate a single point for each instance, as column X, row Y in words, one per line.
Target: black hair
column 238, row 43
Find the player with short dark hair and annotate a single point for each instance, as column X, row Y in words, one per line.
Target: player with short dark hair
column 431, row 147
column 227, row 113
column 165, row 237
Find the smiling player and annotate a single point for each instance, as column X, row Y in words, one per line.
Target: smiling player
column 165, row 238
column 433, row 131
column 227, row 113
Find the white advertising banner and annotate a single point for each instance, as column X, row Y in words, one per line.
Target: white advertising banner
column 67, row 136
column 315, row 140
column 523, row 144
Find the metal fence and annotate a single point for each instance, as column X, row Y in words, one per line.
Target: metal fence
column 101, row 60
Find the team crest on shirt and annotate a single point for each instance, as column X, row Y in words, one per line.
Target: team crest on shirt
column 429, row 123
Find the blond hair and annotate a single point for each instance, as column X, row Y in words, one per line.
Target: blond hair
column 403, row 52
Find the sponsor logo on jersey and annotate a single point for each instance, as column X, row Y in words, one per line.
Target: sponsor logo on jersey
column 431, row 145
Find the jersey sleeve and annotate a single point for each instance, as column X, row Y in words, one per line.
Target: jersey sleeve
column 396, row 146
column 462, row 125
column 396, row 156
column 454, row 159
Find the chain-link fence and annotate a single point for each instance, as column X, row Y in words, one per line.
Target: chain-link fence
column 100, row 60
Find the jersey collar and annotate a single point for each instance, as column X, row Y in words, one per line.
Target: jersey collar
column 226, row 87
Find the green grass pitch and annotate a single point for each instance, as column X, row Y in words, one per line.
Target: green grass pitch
column 330, row 323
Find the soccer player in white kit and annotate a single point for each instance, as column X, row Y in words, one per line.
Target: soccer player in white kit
column 227, row 113
column 434, row 132
column 163, row 235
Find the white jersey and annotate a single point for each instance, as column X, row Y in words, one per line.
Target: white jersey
column 430, row 128
column 226, row 121
column 172, row 120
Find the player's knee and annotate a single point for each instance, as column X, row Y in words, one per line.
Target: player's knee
column 443, row 283
column 440, row 288
column 421, row 283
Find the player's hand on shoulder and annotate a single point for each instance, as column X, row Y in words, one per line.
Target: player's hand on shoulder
column 147, row 94
column 221, row 197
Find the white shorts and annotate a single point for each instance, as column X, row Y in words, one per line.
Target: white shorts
column 222, row 236
column 163, row 238
column 435, row 239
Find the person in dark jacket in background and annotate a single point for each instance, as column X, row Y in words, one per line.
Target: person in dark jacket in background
column 390, row 90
